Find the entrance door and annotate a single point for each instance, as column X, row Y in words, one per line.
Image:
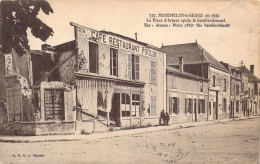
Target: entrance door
column 14, row 105
column 115, row 111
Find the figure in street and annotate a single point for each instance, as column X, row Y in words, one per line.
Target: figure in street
column 162, row 117
column 167, row 118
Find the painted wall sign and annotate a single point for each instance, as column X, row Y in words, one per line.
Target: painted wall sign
column 113, row 41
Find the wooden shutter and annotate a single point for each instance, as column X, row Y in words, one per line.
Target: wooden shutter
column 129, row 66
column 170, row 105
column 136, row 67
column 191, row 105
column 178, row 105
column 186, row 106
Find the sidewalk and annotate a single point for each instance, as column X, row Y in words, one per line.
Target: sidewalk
column 94, row 136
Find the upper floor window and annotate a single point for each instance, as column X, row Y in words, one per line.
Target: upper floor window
column 201, row 86
column 242, row 87
column 93, row 57
column 225, row 85
column 237, row 89
column 153, row 72
column 113, row 62
column 133, row 67
column 214, row 81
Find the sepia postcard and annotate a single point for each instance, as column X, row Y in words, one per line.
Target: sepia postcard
column 147, row 81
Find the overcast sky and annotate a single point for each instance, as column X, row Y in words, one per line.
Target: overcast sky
column 238, row 43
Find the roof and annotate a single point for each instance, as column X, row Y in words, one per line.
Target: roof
column 192, row 53
column 234, row 72
column 185, row 74
column 251, row 77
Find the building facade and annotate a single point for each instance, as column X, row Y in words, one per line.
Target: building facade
column 187, row 96
column 199, row 62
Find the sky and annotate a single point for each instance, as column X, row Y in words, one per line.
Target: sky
column 232, row 45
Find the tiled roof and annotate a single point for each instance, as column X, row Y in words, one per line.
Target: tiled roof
column 176, row 71
column 191, row 53
column 251, row 77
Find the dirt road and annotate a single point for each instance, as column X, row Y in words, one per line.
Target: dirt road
column 230, row 142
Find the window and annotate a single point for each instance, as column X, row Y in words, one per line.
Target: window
column 135, row 104
column 242, row 87
column 201, row 106
column 153, row 106
column 54, row 104
column 214, row 81
column 173, row 105
column 133, row 67
column 237, row 89
column 224, row 105
column 93, row 57
column 113, row 62
column 209, row 108
column 125, row 104
column 237, row 106
column 225, row 85
column 188, row 105
column 201, row 86
column 153, row 72
column 252, row 91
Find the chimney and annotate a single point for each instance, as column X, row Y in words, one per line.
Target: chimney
column 135, row 36
column 181, row 64
column 45, row 46
column 252, row 69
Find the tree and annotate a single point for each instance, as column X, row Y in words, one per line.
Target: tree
column 16, row 18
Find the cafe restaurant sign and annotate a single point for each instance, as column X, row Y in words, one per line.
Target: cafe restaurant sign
column 113, row 41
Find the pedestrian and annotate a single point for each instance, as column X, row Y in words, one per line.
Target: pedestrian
column 162, row 117
column 167, row 118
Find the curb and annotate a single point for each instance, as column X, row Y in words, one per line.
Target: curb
column 120, row 133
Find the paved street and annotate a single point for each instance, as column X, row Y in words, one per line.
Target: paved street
column 228, row 142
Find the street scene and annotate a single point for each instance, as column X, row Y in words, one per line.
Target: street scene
column 167, row 82
column 234, row 141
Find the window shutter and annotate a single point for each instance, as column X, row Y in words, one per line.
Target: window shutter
column 178, row 105
column 191, row 106
column 129, row 66
column 186, row 106
column 170, row 105
column 137, row 67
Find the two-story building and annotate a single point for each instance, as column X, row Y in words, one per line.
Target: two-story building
column 100, row 79
column 187, row 95
column 199, row 62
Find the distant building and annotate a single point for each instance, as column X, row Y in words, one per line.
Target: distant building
column 187, row 96
column 199, row 62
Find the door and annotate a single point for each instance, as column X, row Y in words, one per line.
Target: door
column 214, row 111
column 14, row 106
column 115, row 110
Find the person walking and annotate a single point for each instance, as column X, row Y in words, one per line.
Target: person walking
column 162, row 117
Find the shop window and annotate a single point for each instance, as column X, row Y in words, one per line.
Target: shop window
column 153, row 106
column 133, row 67
column 93, row 57
column 54, row 104
column 113, row 62
column 135, row 104
column 153, row 72
column 201, row 106
column 224, row 105
column 125, row 105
